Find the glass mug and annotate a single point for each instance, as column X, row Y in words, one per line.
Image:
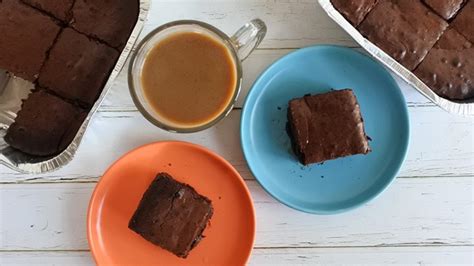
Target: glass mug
column 240, row 45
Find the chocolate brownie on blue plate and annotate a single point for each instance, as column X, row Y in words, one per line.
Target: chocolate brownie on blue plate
column 326, row 126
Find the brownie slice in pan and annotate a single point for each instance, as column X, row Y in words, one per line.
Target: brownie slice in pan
column 354, row 10
column 445, row 8
column 45, row 125
column 59, row 9
column 109, row 21
column 464, row 21
column 326, row 126
column 26, row 35
column 172, row 215
column 404, row 29
column 448, row 69
column 77, row 67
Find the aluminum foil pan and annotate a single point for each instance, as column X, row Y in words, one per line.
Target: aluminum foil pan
column 13, row 90
column 465, row 108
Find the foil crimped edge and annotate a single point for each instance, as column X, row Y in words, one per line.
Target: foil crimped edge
column 60, row 160
column 464, row 108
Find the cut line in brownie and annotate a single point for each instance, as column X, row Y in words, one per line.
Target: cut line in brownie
column 26, row 37
column 445, row 8
column 405, row 29
column 354, row 10
column 45, row 125
column 464, row 21
column 99, row 20
column 172, row 215
column 448, row 69
column 326, row 126
column 77, row 67
column 60, row 9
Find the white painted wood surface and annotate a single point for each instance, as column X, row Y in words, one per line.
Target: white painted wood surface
column 425, row 217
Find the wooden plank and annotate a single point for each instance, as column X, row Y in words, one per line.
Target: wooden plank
column 291, row 24
column 459, row 255
column 441, row 145
column 119, row 96
column 412, row 212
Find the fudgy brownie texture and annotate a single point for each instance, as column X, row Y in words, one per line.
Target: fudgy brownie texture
column 448, row 69
column 404, row 29
column 327, row 126
column 25, row 37
column 109, row 21
column 60, row 9
column 445, row 8
column 464, row 21
column 77, row 67
column 43, row 125
column 354, row 10
column 172, row 215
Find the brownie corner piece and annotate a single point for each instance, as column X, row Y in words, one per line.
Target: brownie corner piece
column 78, row 67
column 172, row 215
column 45, row 125
column 354, row 10
column 26, row 35
column 326, row 126
column 99, row 19
column 405, row 29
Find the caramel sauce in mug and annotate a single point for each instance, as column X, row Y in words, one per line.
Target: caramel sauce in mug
column 189, row 79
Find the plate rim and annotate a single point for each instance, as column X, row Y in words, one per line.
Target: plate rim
column 245, row 114
column 89, row 223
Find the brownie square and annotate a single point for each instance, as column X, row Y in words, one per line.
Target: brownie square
column 59, row 9
column 354, row 10
column 445, row 8
column 404, row 29
column 326, row 126
column 45, row 125
column 100, row 19
column 26, row 36
column 77, row 67
column 464, row 21
column 172, row 215
column 448, row 69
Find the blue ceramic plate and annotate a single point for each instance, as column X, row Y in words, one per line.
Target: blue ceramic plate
column 336, row 185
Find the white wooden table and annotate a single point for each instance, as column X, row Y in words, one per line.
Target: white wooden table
column 424, row 217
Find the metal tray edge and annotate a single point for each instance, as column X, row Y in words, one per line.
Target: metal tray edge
column 459, row 108
column 67, row 155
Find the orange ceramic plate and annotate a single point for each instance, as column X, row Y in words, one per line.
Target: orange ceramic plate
column 229, row 237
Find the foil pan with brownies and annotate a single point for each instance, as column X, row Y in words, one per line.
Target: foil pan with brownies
column 57, row 62
column 428, row 43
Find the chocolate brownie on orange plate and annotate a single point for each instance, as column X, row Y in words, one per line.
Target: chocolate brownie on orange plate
column 172, row 215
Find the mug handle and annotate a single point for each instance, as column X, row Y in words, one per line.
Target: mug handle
column 247, row 38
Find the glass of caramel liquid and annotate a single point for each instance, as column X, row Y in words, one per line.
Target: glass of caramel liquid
column 186, row 75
